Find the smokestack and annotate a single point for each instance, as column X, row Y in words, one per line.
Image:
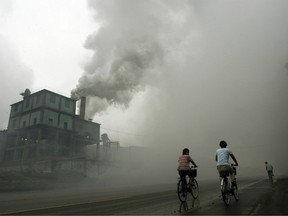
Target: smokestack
column 82, row 107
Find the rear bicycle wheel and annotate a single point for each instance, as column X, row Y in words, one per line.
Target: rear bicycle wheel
column 235, row 191
column 182, row 191
column 194, row 189
column 225, row 192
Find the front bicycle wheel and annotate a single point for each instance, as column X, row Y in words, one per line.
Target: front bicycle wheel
column 225, row 192
column 181, row 191
column 194, row 189
column 235, row 191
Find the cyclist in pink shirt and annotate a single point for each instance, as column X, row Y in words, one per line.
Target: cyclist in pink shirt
column 184, row 165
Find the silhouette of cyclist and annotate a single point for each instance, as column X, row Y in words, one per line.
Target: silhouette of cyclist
column 184, row 166
column 222, row 159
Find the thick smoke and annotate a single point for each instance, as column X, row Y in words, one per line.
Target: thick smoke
column 210, row 70
column 131, row 43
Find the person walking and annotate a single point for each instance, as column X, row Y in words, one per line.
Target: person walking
column 269, row 169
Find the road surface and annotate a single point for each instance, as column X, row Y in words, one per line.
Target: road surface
column 256, row 197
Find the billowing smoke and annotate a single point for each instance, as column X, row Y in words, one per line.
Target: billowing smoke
column 210, row 70
column 128, row 48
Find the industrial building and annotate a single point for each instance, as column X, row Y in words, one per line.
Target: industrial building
column 44, row 128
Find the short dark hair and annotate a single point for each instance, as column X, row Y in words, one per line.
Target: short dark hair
column 185, row 150
column 223, row 143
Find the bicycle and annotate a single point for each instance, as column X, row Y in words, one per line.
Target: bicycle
column 228, row 188
column 183, row 188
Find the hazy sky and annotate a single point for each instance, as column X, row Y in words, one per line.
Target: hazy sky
column 163, row 73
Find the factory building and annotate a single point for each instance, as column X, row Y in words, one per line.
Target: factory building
column 44, row 126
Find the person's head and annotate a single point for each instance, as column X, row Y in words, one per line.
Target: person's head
column 223, row 144
column 185, row 151
column 266, row 162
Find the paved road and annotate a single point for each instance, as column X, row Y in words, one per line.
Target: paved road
column 256, row 197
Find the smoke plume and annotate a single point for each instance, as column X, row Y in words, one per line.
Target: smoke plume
column 129, row 47
column 210, row 70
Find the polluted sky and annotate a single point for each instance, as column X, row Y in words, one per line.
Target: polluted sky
column 168, row 74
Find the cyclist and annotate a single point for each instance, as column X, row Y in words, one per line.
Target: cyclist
column 222, row 159
column 183, row 166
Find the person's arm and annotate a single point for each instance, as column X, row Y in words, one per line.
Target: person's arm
column 191, row 160
column 216, row 158
column 234, row 159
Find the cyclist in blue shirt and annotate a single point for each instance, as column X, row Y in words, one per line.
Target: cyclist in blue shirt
column 222, row 159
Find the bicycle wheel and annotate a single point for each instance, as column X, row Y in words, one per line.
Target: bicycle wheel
column 194, row 189
column 181, row 191
column 225, row 192
column 235, row 191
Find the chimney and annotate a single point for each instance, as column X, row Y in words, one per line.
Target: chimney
column 82, row 107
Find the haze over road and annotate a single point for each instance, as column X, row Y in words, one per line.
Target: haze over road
column 146, row 200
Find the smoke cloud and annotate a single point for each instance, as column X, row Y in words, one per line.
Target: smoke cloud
column 129, row 49
column 210, row 70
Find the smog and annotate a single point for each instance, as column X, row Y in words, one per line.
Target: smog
column 165, row 75
column 203, row 72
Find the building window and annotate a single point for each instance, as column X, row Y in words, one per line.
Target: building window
column 52, row 98
column 37, row 99
column 50, row 121
column 14, row 123
column 35, row 121
column 65, row 125
column 27, row 102
column 15, row 108
column 67, row 103
column 24, row 124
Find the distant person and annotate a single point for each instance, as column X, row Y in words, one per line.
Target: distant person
column 269, row 169
column 184, row 166
column 222, row 159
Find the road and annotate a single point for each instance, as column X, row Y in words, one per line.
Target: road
column 144, row 200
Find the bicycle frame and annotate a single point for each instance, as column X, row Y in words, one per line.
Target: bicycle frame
column 227, row 189
column 225, row 178
column 183, row 187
